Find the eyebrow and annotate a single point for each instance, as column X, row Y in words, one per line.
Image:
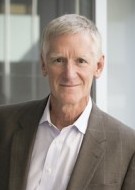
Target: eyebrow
column 55, row 55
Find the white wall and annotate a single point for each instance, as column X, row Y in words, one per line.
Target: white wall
column 121, row 60
column 101, row 83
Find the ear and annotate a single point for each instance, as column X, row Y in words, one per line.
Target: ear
column 99, row 67
column 43, row 65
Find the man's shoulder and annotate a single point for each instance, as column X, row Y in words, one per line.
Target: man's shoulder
column 17, row 109
column 113, row 125
column 19, row 105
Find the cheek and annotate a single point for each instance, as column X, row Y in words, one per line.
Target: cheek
column 53, row 78
column 88, row 74
column 88, row 79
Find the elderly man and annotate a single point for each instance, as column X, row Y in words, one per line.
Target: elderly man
column 65, row 142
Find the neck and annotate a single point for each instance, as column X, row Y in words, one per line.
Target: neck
column 65, row 115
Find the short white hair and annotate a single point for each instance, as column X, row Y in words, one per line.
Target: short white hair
column 70, row 24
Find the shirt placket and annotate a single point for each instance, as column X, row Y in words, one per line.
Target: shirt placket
column 52, row 158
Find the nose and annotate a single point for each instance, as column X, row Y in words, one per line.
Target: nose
column 70, row 70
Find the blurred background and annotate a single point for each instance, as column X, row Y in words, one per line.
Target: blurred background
column 21, row 24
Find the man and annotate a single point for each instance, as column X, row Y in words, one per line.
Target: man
column 65, row 142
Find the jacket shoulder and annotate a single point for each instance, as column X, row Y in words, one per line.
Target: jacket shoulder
column 11, row 114
column 113, row 128
column 11, row 109
column 112, row 122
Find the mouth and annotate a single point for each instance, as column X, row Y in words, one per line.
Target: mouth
column 69, row 85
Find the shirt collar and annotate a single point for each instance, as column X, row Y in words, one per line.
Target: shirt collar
column 81, row 123
column 46, row 115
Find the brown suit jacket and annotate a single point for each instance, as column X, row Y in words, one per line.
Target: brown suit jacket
column 106, row 160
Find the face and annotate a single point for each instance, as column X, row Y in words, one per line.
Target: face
column 70, row 65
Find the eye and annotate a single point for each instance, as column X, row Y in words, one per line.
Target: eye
column 59, row 60
column 81, row 61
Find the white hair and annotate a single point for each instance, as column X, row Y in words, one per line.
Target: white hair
column 70, row 24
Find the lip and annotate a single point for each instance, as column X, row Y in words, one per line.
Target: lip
column 69, row 85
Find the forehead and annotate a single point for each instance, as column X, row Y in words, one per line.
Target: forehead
column 71, row 43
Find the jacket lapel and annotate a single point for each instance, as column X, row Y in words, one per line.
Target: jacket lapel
column 91, row 152
column 22, row 144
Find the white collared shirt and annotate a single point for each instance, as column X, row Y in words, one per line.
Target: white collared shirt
column 55, row 152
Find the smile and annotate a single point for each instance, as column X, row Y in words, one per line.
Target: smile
column 69, row 86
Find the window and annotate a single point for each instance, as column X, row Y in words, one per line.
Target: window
column 21, row 24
